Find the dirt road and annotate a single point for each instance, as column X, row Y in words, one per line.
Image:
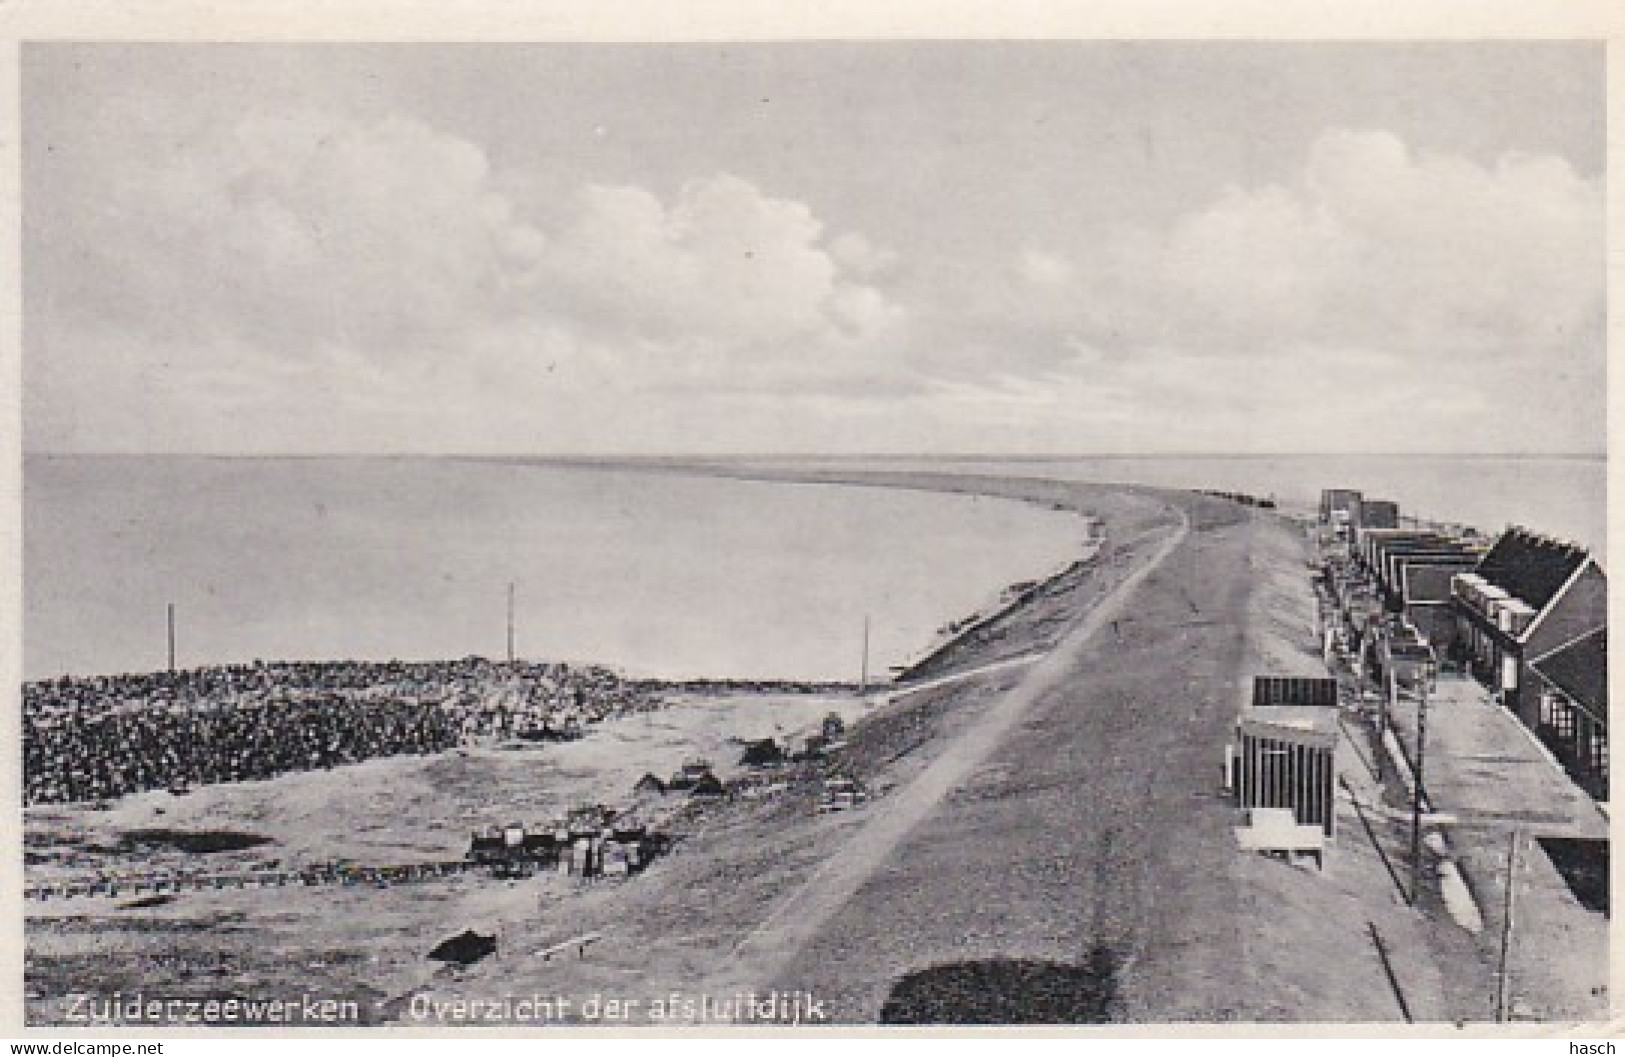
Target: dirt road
column 762, row 954
column 1081, row 819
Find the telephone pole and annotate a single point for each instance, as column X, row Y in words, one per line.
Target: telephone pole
column 863, row 676
column 1416, row 793
column 510, row 621
column 1501, row 1010
column 171, row 614
column 1390, row 697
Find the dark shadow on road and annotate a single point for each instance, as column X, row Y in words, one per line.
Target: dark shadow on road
column 1008, row 991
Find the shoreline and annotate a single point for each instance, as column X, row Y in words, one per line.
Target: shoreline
column 668, row 668
column 438, row 681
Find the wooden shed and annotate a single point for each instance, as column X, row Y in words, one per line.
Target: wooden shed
column 1286, row 757
column 1270, row 691
column 708, row 787
column 764, row 752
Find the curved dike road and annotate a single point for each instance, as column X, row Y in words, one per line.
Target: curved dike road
column 796, row 923
column 1081, row 812
column 1076, row 812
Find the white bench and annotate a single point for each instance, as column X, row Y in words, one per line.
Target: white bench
column 580, row 943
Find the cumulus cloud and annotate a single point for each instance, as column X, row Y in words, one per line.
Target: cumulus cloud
column 300, row 232
column 723, row 265
column 1372, row 245
column 860, row 256
column 387, row 272
column 1380, row 296
column 309, row 239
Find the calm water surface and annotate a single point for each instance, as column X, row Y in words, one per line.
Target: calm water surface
column 656, row 574
column 1562, row 496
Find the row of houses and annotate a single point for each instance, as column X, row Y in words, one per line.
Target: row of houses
column 595, row 840
column 1526, row 615
column 1413, row 572
column 1532, row 618
column 694, row 779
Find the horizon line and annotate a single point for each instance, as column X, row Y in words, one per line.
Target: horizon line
column 965, row 455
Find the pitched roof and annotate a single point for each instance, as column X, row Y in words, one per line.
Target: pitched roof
column 708, row 785
column 1531, row 567
column 1580, row 670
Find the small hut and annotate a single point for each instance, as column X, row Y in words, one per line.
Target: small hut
column 707, row 787
column 1285, row 757
column 762, row 753
column 689, row 776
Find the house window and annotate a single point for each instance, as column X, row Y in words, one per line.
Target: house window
column 1563, row 723
column 1546, row 708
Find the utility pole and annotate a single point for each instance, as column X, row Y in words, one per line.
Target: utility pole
column 1382, row 721
column 171, row 614
column 863, row 675
column 1416, row 793
column 510, row 622
column 1506, row 928
column 1390, row 697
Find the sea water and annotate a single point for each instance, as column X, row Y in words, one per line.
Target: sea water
column 656, row 574
column 1561, row 496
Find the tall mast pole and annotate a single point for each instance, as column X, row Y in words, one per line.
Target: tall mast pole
column 1390, row 697
column 1501, row 988
column 171, row 621
column 863, row 677
column 510, row 622
column 1416, row 794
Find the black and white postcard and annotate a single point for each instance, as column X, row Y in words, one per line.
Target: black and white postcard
column 708, row 525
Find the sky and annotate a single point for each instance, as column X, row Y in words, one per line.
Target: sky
column 932, row 247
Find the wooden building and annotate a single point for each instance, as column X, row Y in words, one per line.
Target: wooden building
column 689, row 776
column 1270, row 691
column 1286, row 757
column 1378, row 514
column 1285, row 750
column 1339, row 510
column 1572, row 713
column 1412, row 572
column 764, row 752
column 707, row 787
column 1529, row 596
